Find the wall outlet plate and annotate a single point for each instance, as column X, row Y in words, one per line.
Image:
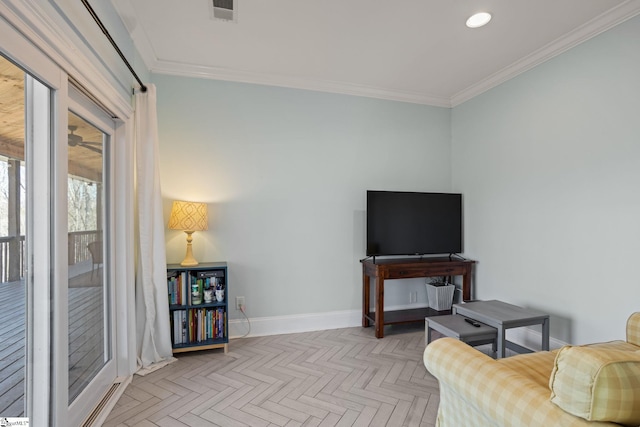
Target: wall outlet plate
column 239, row 303
column 413, row 297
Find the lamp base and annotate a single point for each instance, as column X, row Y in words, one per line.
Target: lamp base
column 188, row 263
column 189, row 260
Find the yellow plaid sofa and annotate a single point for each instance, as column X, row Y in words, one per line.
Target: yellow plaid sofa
column 478, row 391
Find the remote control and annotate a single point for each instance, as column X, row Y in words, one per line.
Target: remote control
column 473, row 322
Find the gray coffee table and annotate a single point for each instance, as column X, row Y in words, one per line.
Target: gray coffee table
column 503, row 316
column 455, row 326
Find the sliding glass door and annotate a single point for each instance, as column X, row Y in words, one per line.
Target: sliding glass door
column 57, row 312
column 25, row 242
column 13, row 232
column 90, row 295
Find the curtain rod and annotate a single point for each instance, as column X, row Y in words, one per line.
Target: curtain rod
column 86, row 4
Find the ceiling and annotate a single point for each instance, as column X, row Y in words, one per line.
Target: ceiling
column 407, row 50
column 85, row 154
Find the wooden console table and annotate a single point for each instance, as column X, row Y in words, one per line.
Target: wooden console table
column 406, row 268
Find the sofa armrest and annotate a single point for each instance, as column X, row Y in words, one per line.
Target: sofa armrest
column 497, row 394
column 633, row 329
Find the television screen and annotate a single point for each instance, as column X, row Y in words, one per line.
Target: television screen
column 410, row 223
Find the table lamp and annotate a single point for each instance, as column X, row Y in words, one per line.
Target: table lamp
column 188, row 217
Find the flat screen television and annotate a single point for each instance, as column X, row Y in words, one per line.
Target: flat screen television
column 410, row 223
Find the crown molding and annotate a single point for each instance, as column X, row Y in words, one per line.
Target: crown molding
column 160, row 66
column 215, row 73
column 598, row 25
column 624, row 11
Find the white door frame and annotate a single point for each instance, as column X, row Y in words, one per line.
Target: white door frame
column 27, row 35
column 38, row 154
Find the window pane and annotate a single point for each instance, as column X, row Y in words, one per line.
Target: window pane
column 12, row 238
column 87, row 291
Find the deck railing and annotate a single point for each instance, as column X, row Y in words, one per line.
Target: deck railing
column 78, row 245
column 12, row 269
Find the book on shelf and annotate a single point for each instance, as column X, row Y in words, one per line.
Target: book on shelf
column 172, row 322
column 172, row 280
column 204, row 324
column 177, row 287
column 178, row 327
column 182, row 288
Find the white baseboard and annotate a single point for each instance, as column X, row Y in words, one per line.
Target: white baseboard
column 532, row 339
column 277, row 325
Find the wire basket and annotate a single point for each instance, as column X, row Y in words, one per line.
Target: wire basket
column 440, row 295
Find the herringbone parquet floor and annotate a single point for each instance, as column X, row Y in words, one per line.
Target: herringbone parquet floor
column 341, row 377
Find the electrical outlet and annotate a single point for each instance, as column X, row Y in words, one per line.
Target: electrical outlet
column 413, row 297
column 239, row 303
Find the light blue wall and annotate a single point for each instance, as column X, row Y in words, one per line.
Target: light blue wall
column 546, row 162
column 549, row 165
column 285, row 173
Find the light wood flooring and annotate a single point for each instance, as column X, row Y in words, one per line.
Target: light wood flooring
column 341, row 377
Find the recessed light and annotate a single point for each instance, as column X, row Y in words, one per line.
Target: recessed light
column 478, row 20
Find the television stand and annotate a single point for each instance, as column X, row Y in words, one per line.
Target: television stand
column 406, row 268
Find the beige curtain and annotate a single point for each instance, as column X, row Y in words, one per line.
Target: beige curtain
column 152, row 310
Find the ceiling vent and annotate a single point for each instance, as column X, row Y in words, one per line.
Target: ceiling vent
column 224, row 10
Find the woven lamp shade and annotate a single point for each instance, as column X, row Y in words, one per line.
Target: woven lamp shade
column 191, row 216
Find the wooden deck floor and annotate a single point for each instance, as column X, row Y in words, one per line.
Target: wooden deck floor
column 86, row 337
column 85, row 340
column 12, row 336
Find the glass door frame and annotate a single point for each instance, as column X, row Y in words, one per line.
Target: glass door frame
column 46, row 375
column 81, row 106
column 39, row 266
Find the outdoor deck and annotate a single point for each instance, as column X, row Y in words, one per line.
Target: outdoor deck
column 85, row 339
column 12, row 333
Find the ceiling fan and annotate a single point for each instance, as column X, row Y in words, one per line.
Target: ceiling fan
column 76, row 140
